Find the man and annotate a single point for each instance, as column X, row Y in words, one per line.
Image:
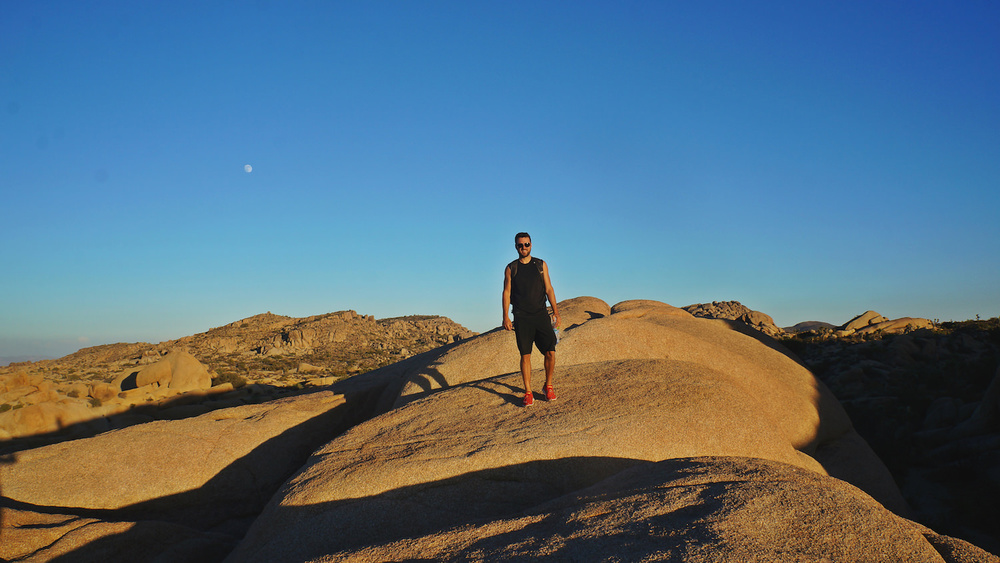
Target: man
column 526, row 285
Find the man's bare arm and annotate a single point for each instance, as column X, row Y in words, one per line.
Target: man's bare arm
column 505, row 298
column 550, row 292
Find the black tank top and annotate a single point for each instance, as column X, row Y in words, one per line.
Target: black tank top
column 527, row 289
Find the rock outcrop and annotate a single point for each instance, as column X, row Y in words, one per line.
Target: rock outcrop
column 75, row 395
column 45, row 407
column 736, row 311
column 178, row 371
column 871, row 322
column 810, row 326
column 672, row 435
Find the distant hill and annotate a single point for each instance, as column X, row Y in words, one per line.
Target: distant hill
column 7, row 360
column 806, row 326
column 251, row 360
column 342, row 343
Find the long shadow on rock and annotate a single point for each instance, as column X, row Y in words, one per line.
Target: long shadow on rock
column 391, row 379
column 691, row 509
column 418, row 510
column 138, row 414
column 225, row 506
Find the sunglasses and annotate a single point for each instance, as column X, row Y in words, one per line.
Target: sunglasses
column 523, row 245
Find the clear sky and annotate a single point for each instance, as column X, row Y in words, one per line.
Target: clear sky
column 169, row 167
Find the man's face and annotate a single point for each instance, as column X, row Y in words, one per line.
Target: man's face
column 523, row 245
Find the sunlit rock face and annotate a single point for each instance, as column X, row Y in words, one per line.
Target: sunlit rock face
column 459, row 460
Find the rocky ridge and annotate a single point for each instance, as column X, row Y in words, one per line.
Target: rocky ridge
column 865, row 324
column 252, row 360
column 734, row 310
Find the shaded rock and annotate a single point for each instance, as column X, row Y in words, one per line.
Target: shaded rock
column 942, row 413
column 36, row 536
column 986, row 417
column 912, row 397
column 809, row 326
column 695, row 510
column 103, row 391
column 43, row 418
column 204, row 472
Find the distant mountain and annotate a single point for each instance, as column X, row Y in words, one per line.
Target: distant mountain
column 806, row 326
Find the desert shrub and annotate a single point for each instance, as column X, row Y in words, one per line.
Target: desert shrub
column 5, row 407
column 228, row 377
column 73, row 394
column 95, row 402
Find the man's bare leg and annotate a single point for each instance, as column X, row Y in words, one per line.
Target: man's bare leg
column 550, row 368
column 526, row 373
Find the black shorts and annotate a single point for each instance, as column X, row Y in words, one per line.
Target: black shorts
column 534, row 329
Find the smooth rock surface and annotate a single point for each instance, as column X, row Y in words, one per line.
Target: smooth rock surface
column 201, row 472
column 645, row 384
column 696, row 510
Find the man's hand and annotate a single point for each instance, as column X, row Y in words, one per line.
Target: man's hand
column 507, row 325
column 558, row 322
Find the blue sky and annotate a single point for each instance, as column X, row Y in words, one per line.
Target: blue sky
column 812, row 160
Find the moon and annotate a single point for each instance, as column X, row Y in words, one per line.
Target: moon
column 247, row 168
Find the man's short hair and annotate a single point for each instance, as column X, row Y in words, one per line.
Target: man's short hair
column 522, row 235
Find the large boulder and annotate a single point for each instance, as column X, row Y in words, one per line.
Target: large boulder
column 904, row 324
column 861, row 321
column 647, row 383
column 43, row 418
column 871, row 322
column 178, row 371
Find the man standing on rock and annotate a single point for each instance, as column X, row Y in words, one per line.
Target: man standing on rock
column 526, row 284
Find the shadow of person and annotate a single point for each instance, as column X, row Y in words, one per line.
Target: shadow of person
column 6, row 459
column 509, row 393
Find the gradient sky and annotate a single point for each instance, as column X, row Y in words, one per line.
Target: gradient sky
column 811, row 160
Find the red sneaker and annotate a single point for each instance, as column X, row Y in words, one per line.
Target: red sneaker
column 529, row 399
column 550, row 394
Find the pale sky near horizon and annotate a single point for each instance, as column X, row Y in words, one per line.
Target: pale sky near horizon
column 170, row 167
